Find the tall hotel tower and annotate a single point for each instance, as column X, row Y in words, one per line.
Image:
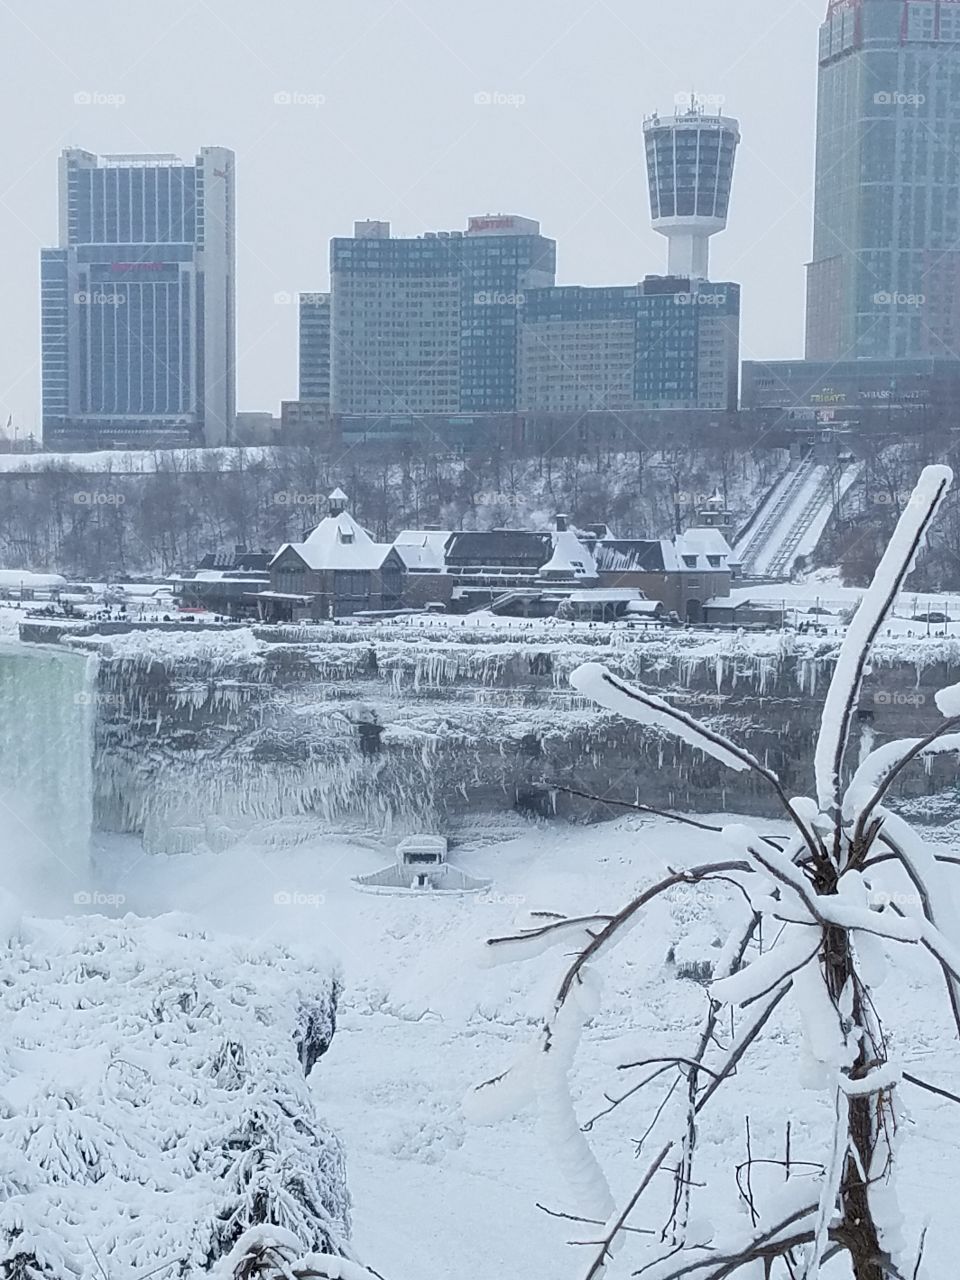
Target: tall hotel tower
column 137, row 302
column 885, row 277
column 690, row 159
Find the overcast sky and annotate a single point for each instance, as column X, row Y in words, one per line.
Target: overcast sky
column 385, row 123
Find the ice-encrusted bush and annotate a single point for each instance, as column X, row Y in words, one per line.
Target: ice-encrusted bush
column 154, row 1107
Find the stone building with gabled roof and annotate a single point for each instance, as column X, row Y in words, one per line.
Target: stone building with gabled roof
column 336, row 571
column 683, row 572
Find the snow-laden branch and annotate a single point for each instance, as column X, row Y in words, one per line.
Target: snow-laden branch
column 577, row 931
column 593, row 680
column 842, row 696
column 882, row 767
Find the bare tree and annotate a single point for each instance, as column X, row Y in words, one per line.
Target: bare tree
column 815, row 892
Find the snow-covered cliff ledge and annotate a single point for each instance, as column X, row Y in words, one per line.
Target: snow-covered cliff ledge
column 153, row 1100
column 200, row 735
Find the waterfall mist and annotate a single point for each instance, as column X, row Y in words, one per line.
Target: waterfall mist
column 47, row 705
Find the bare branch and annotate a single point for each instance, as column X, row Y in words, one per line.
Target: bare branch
column 931, row 1088
column 606, row 1248
column 741, row 1048
column 636, row 807
column 686, row 1062
column 591, row 1222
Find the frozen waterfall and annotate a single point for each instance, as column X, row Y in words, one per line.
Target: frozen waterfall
column 46, row 769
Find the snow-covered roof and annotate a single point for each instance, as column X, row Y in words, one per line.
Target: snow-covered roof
column 637, row 555
column 20, row 577
column 338, row 542
column 704, row 541
column 422, row 550
column 570, row 558
column 597, row 595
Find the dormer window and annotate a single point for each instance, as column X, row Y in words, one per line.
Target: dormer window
column 690, row 561
column 346, row 535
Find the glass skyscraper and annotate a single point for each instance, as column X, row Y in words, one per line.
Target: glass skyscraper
column 884, row 282
column 137, row 302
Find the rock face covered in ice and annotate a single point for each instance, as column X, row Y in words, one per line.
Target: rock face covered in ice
column 399, row 729
column 155, row 1106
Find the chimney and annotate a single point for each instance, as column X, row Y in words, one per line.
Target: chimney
column 561, row 521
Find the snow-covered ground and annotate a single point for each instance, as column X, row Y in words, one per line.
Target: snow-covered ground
column 423, row 1021
column 137, row 461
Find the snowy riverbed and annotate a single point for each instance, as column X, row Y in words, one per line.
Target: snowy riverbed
column 422, row 1021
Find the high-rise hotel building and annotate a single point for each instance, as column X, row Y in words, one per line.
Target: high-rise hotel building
column 884, row 282
column 430, row 325
column 137, row 302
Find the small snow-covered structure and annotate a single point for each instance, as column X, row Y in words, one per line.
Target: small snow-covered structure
column 421, row 866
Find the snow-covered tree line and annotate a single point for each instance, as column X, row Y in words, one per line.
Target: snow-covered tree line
column 819, row 932
column 169, row 514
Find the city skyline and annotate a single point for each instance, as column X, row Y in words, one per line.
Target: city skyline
column 548, row 121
